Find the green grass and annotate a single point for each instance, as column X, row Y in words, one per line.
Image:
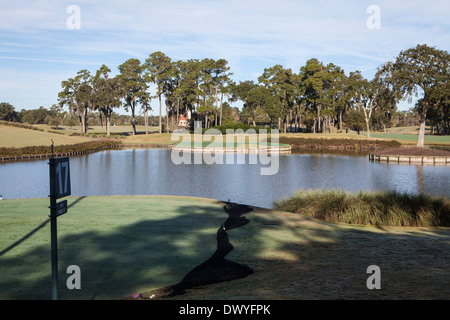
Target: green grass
column 96, row 130
column 22, row 137
column 123, row 244
column 384, row 208
column 410, row 129
column 412, row 138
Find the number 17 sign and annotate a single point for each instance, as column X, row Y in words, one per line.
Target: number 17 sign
column 59, row 187
column 59, row 177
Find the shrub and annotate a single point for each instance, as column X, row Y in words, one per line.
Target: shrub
column 387, row 208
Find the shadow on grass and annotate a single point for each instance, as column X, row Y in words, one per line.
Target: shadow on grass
column 42, row 225
column 316, row 260
column 25, row 237
column 290, row 261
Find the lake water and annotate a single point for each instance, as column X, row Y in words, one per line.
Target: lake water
column 152, row 172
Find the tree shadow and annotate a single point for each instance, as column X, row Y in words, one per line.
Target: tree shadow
column 317, row 260
column 32, row 232
column 216, row 269
column 25, row 237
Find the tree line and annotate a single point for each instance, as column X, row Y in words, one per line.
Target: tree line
column 318, row 98
column 56, row 116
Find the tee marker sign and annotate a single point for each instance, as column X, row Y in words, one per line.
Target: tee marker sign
column 59, row 188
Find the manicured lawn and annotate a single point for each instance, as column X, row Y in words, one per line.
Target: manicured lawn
column 411, row 139
column 150, row 139
column 119, row 130
column 20, row 137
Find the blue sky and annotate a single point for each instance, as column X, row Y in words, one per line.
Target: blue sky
column 38, row 50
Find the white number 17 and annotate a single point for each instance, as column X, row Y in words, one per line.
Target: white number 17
column 59, row 174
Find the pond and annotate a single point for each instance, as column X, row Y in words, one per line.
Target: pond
column 152, row 172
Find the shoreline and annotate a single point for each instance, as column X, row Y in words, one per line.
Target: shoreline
column 288, row 144
column 292, row 149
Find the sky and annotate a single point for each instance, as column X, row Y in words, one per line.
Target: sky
column 44, row 42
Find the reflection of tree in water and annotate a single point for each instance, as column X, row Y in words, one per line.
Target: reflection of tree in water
column 216, row 268
column 420, row 182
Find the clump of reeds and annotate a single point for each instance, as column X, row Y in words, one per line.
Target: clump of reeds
column 381, row 208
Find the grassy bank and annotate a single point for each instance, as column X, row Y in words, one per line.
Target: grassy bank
column 19, row 137
column 411, row 139
column 121, row 131
column 386, row 208
column 84, row 147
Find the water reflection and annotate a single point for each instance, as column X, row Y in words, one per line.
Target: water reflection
column 151, row 172
column 420, row 182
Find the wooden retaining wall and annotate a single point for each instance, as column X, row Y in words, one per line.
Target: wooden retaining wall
column 410, row 159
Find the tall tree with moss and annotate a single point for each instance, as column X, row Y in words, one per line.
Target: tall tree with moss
column 158, row 70
column 420, row 70
column 315, row 81
column 109, row 93
column 337, row 91
column 439, row 113
column 242, row 92
column 77, row 94
column 282, row 83
column 220, row 78
column 132, row 80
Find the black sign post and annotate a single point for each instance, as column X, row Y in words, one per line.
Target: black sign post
column 59, row 187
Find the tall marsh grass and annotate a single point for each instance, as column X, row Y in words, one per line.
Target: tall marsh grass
column 381, row 208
